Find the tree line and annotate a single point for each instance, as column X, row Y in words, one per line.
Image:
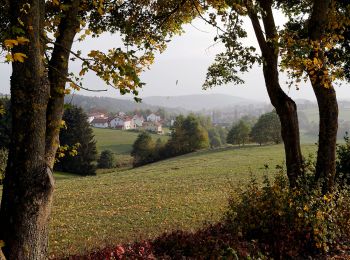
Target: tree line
column 188, row 134
column 38, row 36
column 267, row 129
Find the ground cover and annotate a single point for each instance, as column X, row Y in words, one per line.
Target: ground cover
column 180, row 193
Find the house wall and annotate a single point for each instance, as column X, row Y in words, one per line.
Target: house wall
column 100, row 125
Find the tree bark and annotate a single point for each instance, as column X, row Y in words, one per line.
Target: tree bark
column 287, row 112
column 284, row 105
column 326, row 99
column 28, row 185
column 58, row 73
column 327, row 139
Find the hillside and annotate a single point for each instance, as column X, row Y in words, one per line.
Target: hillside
column 199, row 102
column 180, row 193
column 109, row 104
column 177, row 104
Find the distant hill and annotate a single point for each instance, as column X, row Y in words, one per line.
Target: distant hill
column 111, row 104
column 175, row 104
column 198, row 102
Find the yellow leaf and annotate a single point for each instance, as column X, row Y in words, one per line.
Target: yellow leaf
column 22, row 40
column 20, row 21
column 2, row 110
column 19, row 57
column 2, row 243
column 10, row 43
column 74, row 86
column 56, row 2
column 9, row 57
column 100, row 11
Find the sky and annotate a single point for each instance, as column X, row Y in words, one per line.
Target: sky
column 182, row 67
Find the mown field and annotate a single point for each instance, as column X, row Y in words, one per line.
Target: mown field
column 180, row 193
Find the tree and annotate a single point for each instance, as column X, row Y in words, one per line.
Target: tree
column 267, row 129
column 223, row 134
column 214, row 137
column 313, row 44
column 37, row 36
column 106, row 160
column 316, row 48
column 143, row 149
column 216, row 134
column 187, row 136
column 240, row 58
column 3, row 162
column 77, row 133
column 239, row 133
column 5, row 123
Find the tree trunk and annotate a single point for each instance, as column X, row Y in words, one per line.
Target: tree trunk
column 326, row 99
column 28, row 185
column 327, row 139
column 58, row 73
column 287, row 112
column 284, row 105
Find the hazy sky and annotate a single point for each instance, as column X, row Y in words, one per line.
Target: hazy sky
column 186, row 60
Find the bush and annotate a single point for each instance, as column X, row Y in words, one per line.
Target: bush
column 3, row 162
column 106, row 160
column 343, row 160
column 143, row 149
column 291, row 222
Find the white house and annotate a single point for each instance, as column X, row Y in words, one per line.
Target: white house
column 124, row 123
column 92, row 116
column 100, row 122
column 138, row 121
column 153, row 118
column 154, row 127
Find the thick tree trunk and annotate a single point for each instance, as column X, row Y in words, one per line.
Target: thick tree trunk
column 327, row 139
column 28, row 185
column 326, row 99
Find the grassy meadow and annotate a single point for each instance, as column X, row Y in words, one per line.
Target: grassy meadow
column 118, row 141
column 180, row 193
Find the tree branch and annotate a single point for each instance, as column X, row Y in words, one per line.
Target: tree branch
column 257, row 28
column 168, row 15
column 70, row 80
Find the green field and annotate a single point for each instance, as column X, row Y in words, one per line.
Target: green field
column 118, row 141
column 180, row 193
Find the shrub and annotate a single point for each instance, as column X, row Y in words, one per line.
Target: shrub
column 106, row 160
column 343, row 160
column 143, row 149
column 291, row 222
column 3, row 162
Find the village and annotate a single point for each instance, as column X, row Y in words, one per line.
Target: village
column 153, row 122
